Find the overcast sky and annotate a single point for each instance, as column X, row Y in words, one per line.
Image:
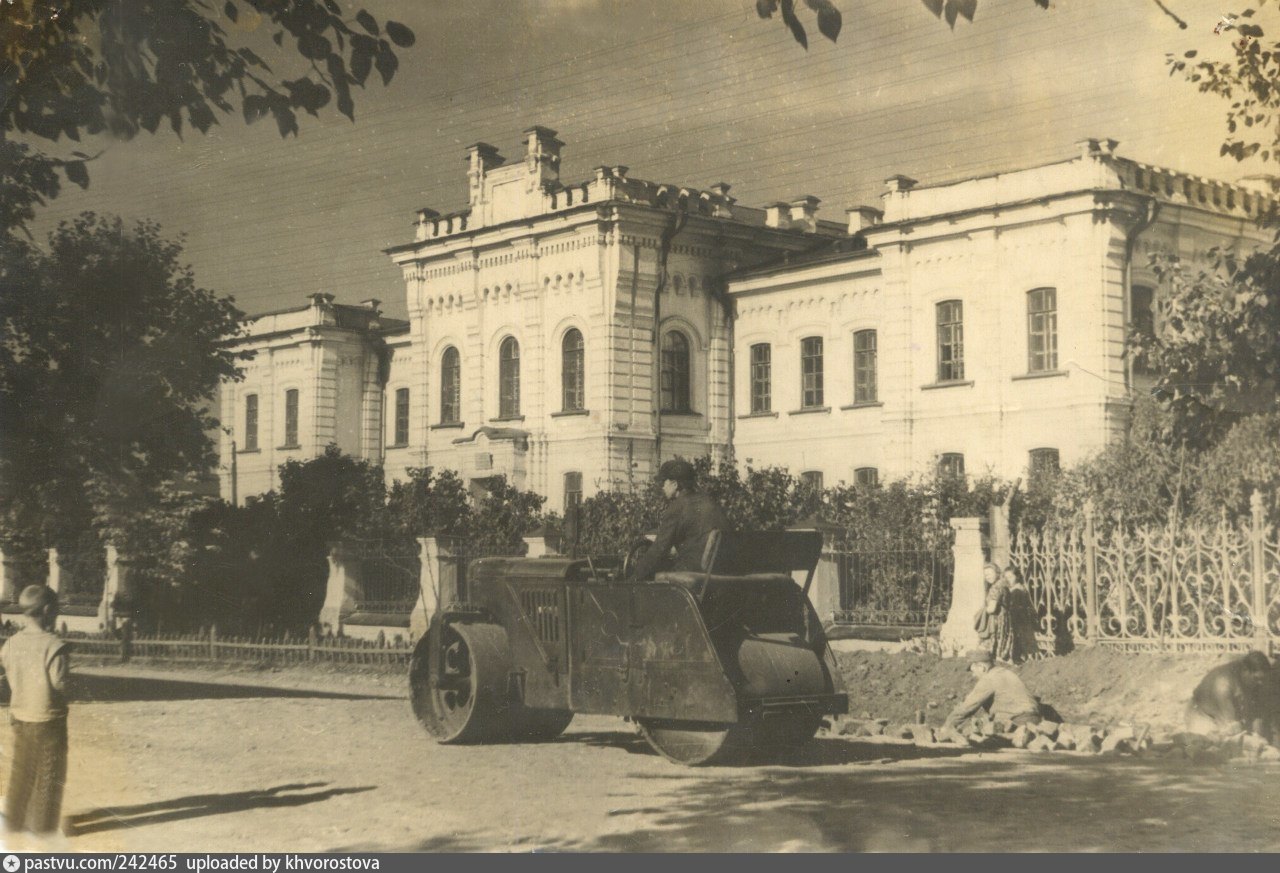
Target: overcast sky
column 685, row 92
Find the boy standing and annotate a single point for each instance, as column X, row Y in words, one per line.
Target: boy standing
column 34, row 661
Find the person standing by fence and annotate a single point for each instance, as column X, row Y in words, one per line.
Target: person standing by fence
column 1012, row 619
column 35, row 663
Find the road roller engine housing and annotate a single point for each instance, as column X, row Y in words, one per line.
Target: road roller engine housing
column 712, row 665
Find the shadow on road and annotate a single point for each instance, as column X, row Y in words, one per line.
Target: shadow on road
column 822, row 752
column 1014, row 802
column 200, row 805
column 93, row 688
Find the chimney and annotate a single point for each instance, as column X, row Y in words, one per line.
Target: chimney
column 481, row 158
column 804, row 213
column 372, row 303
column 862, row 217
column 778, row 215
column 543, row 154
column 1097, row 148
column 320, row 299
column 900, row 183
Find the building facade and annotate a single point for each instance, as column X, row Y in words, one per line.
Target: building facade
column 572, row 336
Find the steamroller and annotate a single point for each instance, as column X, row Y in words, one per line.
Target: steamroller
column 724, row 665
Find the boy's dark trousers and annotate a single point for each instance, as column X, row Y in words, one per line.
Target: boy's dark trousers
column 33, row 800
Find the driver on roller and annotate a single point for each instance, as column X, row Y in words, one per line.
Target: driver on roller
column 690, row 515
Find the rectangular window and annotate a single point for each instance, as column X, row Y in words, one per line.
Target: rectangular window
column 1044, row 462
column 950, row 341
column 864, row 366
column 866, row 476
column 251, row 423
column 1042, row 330
column 291, row 418
column 951, row 465
column 811, row 372
column 761, row 378
column 1142, row 320
column 572, row 491
column 812, row 478
column 402, row 417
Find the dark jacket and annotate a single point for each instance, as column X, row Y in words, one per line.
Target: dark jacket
column 1232, row 693
column 686, row 521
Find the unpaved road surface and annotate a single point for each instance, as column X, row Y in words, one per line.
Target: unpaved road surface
column 262, row 761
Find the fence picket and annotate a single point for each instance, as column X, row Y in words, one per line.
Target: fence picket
column 1176, row 587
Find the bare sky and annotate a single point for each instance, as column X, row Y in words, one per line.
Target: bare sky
column 685, row 92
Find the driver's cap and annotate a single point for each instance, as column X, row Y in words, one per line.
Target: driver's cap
column 678, row 469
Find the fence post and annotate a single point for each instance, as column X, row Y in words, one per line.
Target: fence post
column 1093, row 622
column 968, row 593
column 213, row 642
column 1257, row 533
column 54, row 580
column 312, row 642
column 126, row 641
column 344, row 588
column 438, row 583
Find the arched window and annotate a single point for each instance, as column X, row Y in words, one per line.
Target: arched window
column 675, row 372
column 509, row 379
column 572, row 372
column 450, row 386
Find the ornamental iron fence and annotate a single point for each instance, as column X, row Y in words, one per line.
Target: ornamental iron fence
column 1181, row 587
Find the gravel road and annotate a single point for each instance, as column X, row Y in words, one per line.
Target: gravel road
column 207, row 760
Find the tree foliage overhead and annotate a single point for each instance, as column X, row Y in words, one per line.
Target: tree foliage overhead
column 1250, row 80
column 109, row 358
column 1216, row 348
column 75, row 68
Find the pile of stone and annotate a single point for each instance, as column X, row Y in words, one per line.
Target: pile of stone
column 1053, row 737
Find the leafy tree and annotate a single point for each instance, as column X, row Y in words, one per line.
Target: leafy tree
column 1215, row 346
column 501, row 518
column 110, row 357
column 1137, row 481
column 1250, row 81
column 429, row 502
column 74, row 68
column 1247, row 459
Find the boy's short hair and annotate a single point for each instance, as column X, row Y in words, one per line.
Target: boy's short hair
column 35, row 599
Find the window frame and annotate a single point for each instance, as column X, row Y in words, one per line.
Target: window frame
column 950, row 335
column 951, row 464
column 509, row 379
column 567, row 504
column 291, row 401
column 866, row 375
column 861, row 477
column 675, row 377
column 251, row 411
column 1042, row 331
column 400, row 420
column 1035, row 465
column 573, row 374
column 450, row 386
column 761, row 378
column 812, row 479
column 812, row 387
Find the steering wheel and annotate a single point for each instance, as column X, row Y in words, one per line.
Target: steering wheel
column 638, row 547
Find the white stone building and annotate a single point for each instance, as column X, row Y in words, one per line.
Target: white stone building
column 571, row 336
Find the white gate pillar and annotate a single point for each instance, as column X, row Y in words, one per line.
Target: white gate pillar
column 968, row 591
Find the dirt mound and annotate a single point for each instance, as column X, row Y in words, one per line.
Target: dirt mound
column 1089, row 685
